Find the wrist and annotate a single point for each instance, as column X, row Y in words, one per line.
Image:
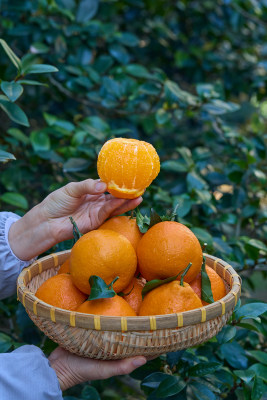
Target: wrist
column 29, row 236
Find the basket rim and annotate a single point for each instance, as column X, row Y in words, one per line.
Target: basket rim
column 136, row 323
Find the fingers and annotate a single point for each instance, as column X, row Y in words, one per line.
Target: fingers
column 105, row 369
column 88, row 186
column 127, row 206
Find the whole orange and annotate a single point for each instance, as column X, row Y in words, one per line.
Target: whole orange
column 134, row 298
column 59, row 291
column 116, row 306
column 166, row 249
column 104, row 253
column 65, row 267
column 170, row 298
column 126, row 226
column 127, row 166
column 216, row 282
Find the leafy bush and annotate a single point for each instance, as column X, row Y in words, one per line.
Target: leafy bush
column 189, row 77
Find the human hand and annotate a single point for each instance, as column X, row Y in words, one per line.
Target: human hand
column 48, row 223
column 72, row 370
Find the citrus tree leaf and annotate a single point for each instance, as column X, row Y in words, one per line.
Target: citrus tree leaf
column 5, row 156
column 156, row 283
column 154, row 218
column 99, row 289
column 170, row 386
column 143, row 221
column 206, row 292
column 13, row 90
column 15, row 199
column 10, row 53
column 251, row 310
column 14, row 112
column 204, row 368
column 39, row 69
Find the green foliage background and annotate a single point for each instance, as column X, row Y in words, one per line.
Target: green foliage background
column 190, row 78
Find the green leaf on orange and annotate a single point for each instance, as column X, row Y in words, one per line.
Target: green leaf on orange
column 206, row 293
column 99, row 288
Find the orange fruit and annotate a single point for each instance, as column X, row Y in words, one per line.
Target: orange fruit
column 166, row 249
column 134, row 298
column 116, row 306
column 127, row 166
column 59, row 291
column 216, row 282
column 65, row 267
column 126, row 226
column 170, row 298
column 104, row 253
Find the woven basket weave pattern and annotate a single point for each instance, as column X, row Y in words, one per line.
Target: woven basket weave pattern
column 103, row 337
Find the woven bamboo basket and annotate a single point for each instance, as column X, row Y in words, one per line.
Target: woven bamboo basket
column 110, row 338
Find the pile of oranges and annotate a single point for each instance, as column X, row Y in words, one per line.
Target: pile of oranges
column 117, row 251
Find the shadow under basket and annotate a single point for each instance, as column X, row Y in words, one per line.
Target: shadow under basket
column 110, row 338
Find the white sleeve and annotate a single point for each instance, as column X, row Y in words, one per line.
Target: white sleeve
column 10, row 265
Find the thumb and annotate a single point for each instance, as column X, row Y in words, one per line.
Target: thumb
column 88, row 186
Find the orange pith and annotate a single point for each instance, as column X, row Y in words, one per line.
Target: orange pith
column 126, row 226
column 64, row 268
column 166, row 249
column 134, row 298
column 170, row 298
column 104, row 253
column 127, row 166
column 116, row 306
column 216, row 282
column 59, row 291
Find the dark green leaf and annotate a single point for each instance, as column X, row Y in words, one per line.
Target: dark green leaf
column 258, row 244
column 194, row 181
column 154, row 218
column 13, row 90
column 260, row 356
column 202, row 235
column 251, row 310
column 5, row 156
column 15, row 199
column 204, row 368
column 13, row 111
column 156, row 283
column 259, row 388
column 143, row 221
column 19, row 135
column 234, row 354
column 245, row 375
column 202, row 392
column 99, row 289
column 10, row 53
column 90, row 393
column 76, row 233
column 174, row 93
column 75, row 165
column 87, row 9
column 138, row 71
column 170, row 386
column 174, row 166
column 39, row 69
column 31, row 82
column 40, row 141
column 119, row 53
column 206, row 292
column 260, row 371
column 153, row 380
column 5, row 343
column 226, row 334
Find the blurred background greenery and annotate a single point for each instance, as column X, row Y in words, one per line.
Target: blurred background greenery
column 190, row 78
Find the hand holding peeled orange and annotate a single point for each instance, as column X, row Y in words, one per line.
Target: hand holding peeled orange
column 117, row 247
